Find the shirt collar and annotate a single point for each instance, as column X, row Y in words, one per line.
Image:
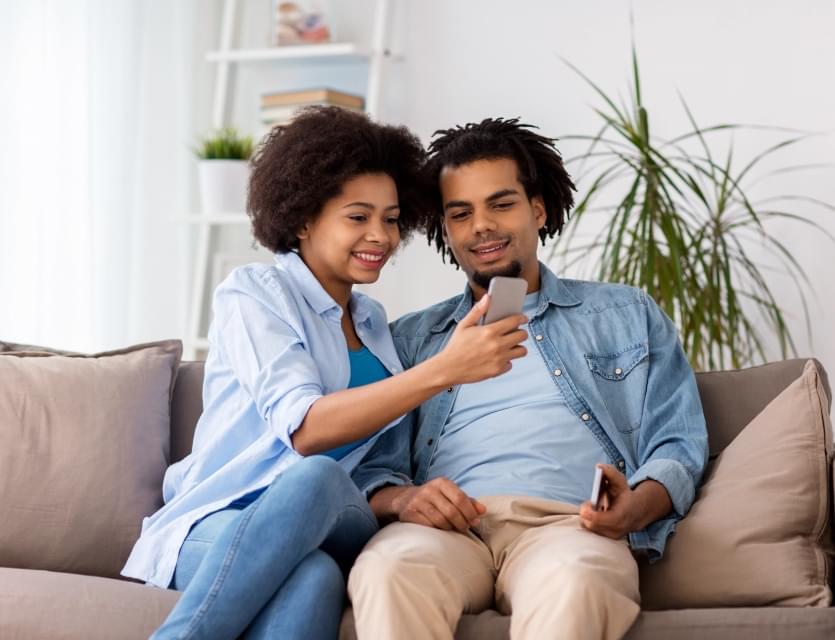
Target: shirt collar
column 310, row 288
column 552, row 291
column 315, row 295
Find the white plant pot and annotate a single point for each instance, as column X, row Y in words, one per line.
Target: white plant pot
column 223, row 185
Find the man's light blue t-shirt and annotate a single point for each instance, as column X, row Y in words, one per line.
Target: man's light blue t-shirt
column 514, row 435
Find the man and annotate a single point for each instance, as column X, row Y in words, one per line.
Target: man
column 502, row 469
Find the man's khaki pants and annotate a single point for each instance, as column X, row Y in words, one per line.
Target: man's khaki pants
column 554, row 578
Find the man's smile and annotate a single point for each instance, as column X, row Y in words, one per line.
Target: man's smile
column 490, row 251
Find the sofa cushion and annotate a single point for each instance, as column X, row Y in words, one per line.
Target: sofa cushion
column 84, row 444
column 763, row 623
column 44, row 605
column 758, row 533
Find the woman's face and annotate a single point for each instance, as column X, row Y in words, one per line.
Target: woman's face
column 354, row 235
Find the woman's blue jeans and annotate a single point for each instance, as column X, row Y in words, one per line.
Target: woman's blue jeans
column 276, row 567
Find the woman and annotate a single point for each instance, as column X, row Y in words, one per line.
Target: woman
column 257, row 529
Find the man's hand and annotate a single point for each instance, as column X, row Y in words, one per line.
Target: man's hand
column 625, row 510
column 439, row 503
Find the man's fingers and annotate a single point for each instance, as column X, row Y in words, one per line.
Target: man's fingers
column 418, row 518
column 617, row 481
column 460, row 501
column 434, row 515
column 479, row 506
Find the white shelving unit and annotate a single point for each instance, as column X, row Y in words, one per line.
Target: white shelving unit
column 224, row 57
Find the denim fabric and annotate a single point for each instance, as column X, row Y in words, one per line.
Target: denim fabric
column 275, row 347
column 275, row 567
column 615, row 357
column 515, row 435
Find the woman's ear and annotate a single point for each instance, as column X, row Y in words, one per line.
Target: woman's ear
column 303, row 233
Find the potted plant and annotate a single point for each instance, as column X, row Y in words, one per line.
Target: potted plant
column 223, row 171
column 679, row 222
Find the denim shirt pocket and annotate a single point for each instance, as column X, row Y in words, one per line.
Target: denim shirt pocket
column 621, row 378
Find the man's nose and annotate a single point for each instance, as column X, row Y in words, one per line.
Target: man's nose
column 483, row 221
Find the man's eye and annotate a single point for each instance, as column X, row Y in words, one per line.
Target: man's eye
column 459, row 215
column 504, row 205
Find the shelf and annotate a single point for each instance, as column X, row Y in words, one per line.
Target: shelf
column 335, row 50
column 200, row 343
column 231, row 218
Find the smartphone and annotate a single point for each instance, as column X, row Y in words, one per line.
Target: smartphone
column 597, row 488
column 507, row 297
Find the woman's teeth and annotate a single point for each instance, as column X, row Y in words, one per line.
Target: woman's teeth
column 369, row 257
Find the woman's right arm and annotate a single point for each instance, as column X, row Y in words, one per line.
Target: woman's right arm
column 270, row 361
column 474, row 353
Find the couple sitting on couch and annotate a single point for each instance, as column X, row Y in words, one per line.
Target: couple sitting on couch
column 478, row 442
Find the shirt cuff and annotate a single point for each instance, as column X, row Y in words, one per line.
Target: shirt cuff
column 392, row 479
column 652, row 540
column 675, row 479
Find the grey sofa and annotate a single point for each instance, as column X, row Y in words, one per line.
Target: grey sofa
column 45, row 604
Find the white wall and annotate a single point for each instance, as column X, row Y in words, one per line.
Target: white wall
column 734, row 61
column 457, row 61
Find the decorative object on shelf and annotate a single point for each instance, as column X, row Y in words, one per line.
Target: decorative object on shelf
column 682, row 228
column 294, row 25
column 227, row 58
column 223, row 171
column 279, row 108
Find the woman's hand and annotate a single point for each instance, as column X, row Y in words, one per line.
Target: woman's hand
column 475, row 352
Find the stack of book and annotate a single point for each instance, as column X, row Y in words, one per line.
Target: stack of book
column 279, row 108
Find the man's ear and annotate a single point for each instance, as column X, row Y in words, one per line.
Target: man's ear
column 538, row 205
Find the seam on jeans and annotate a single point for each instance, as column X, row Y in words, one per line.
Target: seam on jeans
column 217, row 583
column 370, row 520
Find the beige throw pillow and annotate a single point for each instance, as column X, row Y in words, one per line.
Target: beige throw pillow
column 758, row 533
column 84, row 444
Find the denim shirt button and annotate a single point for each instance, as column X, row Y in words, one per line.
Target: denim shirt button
column 539, row 338
column 558, row 372
column 585, row 417
column 618, row 371
column 449, row 390
column 621, row 465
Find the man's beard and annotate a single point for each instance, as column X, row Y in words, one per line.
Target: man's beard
column 482, row 278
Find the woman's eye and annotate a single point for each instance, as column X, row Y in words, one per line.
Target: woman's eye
column 392, row 220
column 358, row 217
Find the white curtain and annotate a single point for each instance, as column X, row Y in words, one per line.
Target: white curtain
column 95, row 126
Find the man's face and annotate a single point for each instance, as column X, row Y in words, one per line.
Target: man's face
column 490, row 224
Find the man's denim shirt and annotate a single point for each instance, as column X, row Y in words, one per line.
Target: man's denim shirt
column 615, row 357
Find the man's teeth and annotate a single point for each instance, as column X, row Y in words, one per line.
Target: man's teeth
column 369, row 257
column 496, row 248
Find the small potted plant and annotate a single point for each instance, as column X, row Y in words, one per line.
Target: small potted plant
column 223, row 171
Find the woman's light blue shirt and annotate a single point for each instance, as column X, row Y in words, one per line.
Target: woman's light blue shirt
column 275, row 347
